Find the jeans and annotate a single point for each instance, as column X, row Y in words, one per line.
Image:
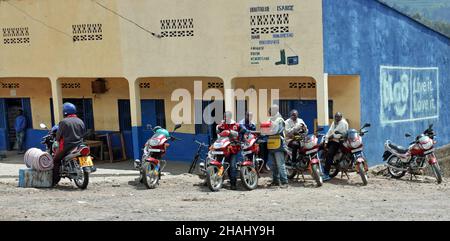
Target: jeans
column 59, row 156
column 333, row 148
column 278, row 166
column 20, row 136
column 294, row 145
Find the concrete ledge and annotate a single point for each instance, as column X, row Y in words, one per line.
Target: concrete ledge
column 32, row 178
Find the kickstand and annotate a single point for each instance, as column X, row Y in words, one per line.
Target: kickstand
column 303, row 177
column 346, row 174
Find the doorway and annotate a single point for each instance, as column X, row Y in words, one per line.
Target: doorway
column 9, row 110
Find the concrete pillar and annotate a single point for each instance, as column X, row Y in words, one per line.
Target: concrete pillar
column 57, row 99
column 322, row 101
column 228, row 87
column 136, row 122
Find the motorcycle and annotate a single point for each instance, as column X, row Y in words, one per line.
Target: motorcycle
column 77, row 165
column 252, row 164
column 307, row 158
column 155, row 148
column 351, row 156
column 414, row 158
column 218, row 159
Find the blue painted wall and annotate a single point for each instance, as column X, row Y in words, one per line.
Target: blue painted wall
column 362, row 35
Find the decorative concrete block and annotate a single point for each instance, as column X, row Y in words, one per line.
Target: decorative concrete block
column 33, row 178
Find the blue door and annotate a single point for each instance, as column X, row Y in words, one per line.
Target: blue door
column 3, row 126
column 307, row 110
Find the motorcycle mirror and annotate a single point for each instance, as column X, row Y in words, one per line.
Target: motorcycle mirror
column 407, row 135
column 177, row 126
column 430, row 126
column 43, row 126
column 366, row 125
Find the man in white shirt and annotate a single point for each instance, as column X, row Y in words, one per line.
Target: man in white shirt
column 332, row 144
column 293, row 126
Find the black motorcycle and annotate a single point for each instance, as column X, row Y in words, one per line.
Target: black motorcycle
column 77, row 165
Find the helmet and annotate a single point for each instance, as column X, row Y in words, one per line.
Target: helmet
column 162, row 131
column 69, row 109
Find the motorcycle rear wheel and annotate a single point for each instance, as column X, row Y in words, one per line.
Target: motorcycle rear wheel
column 397, row 174
column 249, row 177
column 437, row 172
column 213, row 180
column 83, row 181
column 150, row 176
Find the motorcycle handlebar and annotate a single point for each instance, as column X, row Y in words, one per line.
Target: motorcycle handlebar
column 201, row 143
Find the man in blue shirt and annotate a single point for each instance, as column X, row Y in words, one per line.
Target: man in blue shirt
column 20, row 126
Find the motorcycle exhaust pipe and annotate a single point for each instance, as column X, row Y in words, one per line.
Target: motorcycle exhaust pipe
column 397, row 168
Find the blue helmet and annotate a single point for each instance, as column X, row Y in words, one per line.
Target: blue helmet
column 69, row 109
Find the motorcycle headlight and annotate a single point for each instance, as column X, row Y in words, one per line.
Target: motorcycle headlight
column 153, row 142
column 356, row 142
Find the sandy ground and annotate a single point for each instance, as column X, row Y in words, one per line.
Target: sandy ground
column 182, row 197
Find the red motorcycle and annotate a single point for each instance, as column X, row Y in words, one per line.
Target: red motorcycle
column 218, row 160
column 414, row 158
column 307, row 158
column 252, row 164
column 351, row 156
column 154, row 150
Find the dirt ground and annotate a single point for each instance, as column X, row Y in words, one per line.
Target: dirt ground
column 181, row 197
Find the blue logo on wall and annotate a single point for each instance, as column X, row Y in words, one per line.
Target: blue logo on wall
column 408, row 94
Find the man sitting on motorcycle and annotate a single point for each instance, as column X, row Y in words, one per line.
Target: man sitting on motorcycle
column 235, row 129
column 332, row 143
column 294, row 126
column 69, row 135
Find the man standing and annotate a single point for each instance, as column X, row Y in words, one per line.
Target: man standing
column 247, row 122
column 332, row 141
column 20, row 127
column 275, row 146
column 294, row 126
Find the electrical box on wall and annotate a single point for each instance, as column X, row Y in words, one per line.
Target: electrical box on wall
column 99, row 86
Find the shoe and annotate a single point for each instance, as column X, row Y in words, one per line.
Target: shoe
column 233, row 186
column 274, row 184
column 326, row 177
column 284, row 185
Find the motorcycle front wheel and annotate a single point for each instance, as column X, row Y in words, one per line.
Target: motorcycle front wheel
column 437, row 172
column 82, row 181
column 249, row 177
column 150, row 175
column 395, row 173
column 362, row 173
column 213, row 179
column 315, row 169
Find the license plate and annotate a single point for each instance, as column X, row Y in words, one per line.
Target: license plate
column 85, row 161
column 356, row 150
column 154, row 150
column 217, row 152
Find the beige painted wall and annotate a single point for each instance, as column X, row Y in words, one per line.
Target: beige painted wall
column 39, row 92
column 345, row 92
column 162, row 88
column 105, row 106
column 220, row 45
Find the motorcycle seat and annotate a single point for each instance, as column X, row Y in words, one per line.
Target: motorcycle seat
column 399, row 149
